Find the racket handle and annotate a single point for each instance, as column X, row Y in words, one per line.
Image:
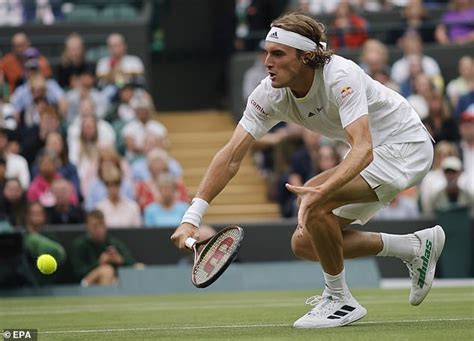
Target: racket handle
column 190, row 242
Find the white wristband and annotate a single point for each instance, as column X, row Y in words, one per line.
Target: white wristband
column 195, row 212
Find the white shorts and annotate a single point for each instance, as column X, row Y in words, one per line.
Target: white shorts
column 395, row 168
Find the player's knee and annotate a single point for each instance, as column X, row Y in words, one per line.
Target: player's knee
column 302, row 248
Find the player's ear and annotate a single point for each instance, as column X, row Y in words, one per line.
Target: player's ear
column 307, row 57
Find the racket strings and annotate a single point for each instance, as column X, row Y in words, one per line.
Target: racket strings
column 213, row 258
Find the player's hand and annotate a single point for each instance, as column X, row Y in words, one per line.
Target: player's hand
column 309, row 197
column 183, row 232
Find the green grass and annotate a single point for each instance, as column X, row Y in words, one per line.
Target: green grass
column 447, row 314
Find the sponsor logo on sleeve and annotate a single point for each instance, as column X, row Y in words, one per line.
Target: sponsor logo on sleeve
column 345, row 91
column 258, row 107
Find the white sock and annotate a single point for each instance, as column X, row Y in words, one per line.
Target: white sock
column 402, row 246
column 336, row 285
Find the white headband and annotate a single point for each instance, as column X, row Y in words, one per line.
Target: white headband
column 293, row 39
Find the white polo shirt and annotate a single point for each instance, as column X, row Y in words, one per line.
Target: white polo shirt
column 340, row 94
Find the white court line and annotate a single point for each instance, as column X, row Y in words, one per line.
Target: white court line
column 109, row 330
column 230, row 305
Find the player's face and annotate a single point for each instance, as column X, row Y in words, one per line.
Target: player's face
column 283, row 65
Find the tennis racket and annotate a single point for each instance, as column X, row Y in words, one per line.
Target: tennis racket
column 216, row 255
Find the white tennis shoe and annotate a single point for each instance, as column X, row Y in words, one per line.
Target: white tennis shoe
column 422, row 267
column 330, row 312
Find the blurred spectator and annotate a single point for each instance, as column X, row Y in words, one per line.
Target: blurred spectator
column 464, row 102
column 140, row 167
column 456, row 24
column 466, row 129
column 55, row 143
column 411, row 45
column 423, row 91
column 454, row 190
column 11, row 12
column 433, row 180
column 85, row 89
column 169, row 210
column 414, row 19
column 415, row 69
column 147, row 191
column 118, row 210
column 12, row 64
column 37, row 88
column 460, row 86
column 96, row 255
column 400, row 208
column 14, row 203
column 45, row 12
column 7, row 112
column 34, row 138
column 348, row 30
column 439, row 122
column 87, row 130
column 36, row 242
column 94, row 186
column 119, row 67
column 255, row 73
column 17, row 167
column 40, row 188
column 374, row 61
column 72, row 62
column 135, row 131
column 63, row 212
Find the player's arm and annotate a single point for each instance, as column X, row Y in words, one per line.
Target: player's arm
column 360, row 156
column 221, row 170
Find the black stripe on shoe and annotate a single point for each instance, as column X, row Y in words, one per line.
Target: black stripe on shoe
column 341, row 313
column 332, row 317
column 347, row 308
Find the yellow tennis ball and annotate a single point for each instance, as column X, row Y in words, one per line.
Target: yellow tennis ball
column 46, row 264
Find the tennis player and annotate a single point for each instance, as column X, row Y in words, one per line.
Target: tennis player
column 390, row 150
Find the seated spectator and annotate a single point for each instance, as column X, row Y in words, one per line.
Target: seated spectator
column 7, row 112
column 140, row 168
column 12, row 14
column 456, row 24
column 400, row 208
column 36, row 241
column 460, row 86
column 96, row 255
column 34, row 138
column 464, row 102
column 85, row 88
column 118, row 210
column 455, row 189
column 466, row 128
column 55, row 143
column 414, row 19
column 146, row 191
column 94, row 186
column 411, row 45
column 12, row 64
column 63, row 212
column 119, row 67
column 423, row 91
column 135, row 131
column 434, row 178
column 315, row 7
column 13, row 205
column 17, row 167
column 72, row 62
column 26, row 96
column 42, row 11
column 40, row 189
column 168, row 211
column 254, row 75
column 88, row 131
column 348, row 30
column 439, row 122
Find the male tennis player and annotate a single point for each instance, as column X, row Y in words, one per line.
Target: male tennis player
column 390, row 151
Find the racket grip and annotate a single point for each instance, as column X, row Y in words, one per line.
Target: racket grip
column 190, row 242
